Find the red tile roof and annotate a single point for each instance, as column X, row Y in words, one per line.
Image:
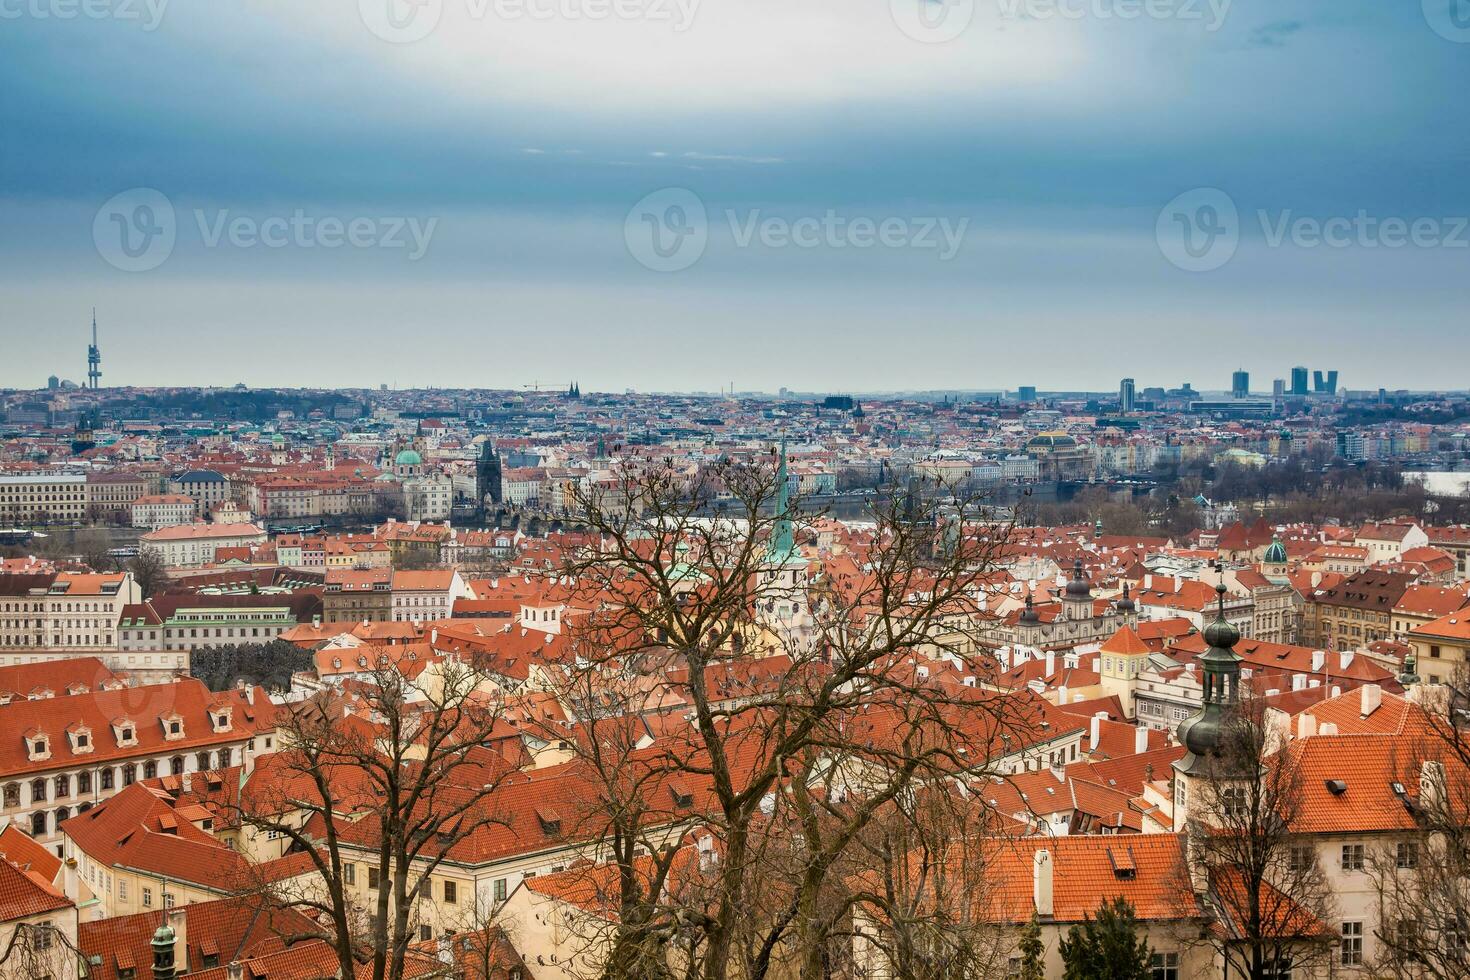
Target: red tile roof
column 24, row 894
column 230, row 929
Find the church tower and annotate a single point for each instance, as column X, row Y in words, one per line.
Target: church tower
column 783, row 596
column 1077, row 600
column 1203, row 733
column 1122, row 658
column 1127, row 608
column 1273, row 562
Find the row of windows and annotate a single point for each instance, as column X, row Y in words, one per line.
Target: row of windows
column 107, row 777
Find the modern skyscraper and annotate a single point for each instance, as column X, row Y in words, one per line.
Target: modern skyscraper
column 1240, row 384
column 1026, row 393
column 1126, row 395
column 1324, row 385
column 1298, row 381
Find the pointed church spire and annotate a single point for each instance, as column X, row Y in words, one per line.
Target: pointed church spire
column 783, row 534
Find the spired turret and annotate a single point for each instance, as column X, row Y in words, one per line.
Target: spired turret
column 163, row 952
column 1203, row 732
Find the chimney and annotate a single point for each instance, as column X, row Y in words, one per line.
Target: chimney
column 1051, row 662
column 1327, row 728
column 1062, row 695
column 1344, row 659
column 1319, row 658
column 1140, row 740
column 235, row 971
column 316, row 622
column 1041, row 883
column 1148, row 581
column 250, row 694
column 1306, row 725
column 178, row 921
column 1432, row 786
column 1095, row 735
column 445, row 950
column 1298, row 682
column 1372, row 698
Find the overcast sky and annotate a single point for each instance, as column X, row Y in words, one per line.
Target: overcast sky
column 846, row 194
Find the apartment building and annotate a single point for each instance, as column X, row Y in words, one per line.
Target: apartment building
column 205, row 487
column 193, row 545
column 173, row 621
column 74, row 751
column 43, row 499
column 63, row 610
column 419, row 596
column 358, row 595
column 159, row 510
column 1356, row 612
column 110, row 495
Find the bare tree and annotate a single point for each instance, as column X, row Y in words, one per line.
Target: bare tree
column 389, row 791
column 149, row 571
column 1422, row 876
column 809, row 712
column 1262, row 876
column 39, row 949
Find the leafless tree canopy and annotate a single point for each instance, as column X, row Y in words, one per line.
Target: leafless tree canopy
column 1270, row 892
column 798, row 729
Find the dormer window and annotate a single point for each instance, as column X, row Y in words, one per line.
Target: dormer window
column 81, row 739
column 38, row 746
column 173, row 727
column 125, row 731
column 220, row 719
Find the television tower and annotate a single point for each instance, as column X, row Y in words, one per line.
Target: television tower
column 94, row 356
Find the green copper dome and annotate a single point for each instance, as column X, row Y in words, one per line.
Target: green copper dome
column 408, row 458
column 1276, row 553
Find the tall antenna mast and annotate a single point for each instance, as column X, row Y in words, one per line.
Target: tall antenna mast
column 94, row 356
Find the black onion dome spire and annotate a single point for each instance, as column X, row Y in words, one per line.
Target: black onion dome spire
column 1078, row 586
column 1201, row 733
column 1125, row 604
column 1028, row 615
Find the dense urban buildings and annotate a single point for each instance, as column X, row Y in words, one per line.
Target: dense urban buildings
column 1135, row 577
